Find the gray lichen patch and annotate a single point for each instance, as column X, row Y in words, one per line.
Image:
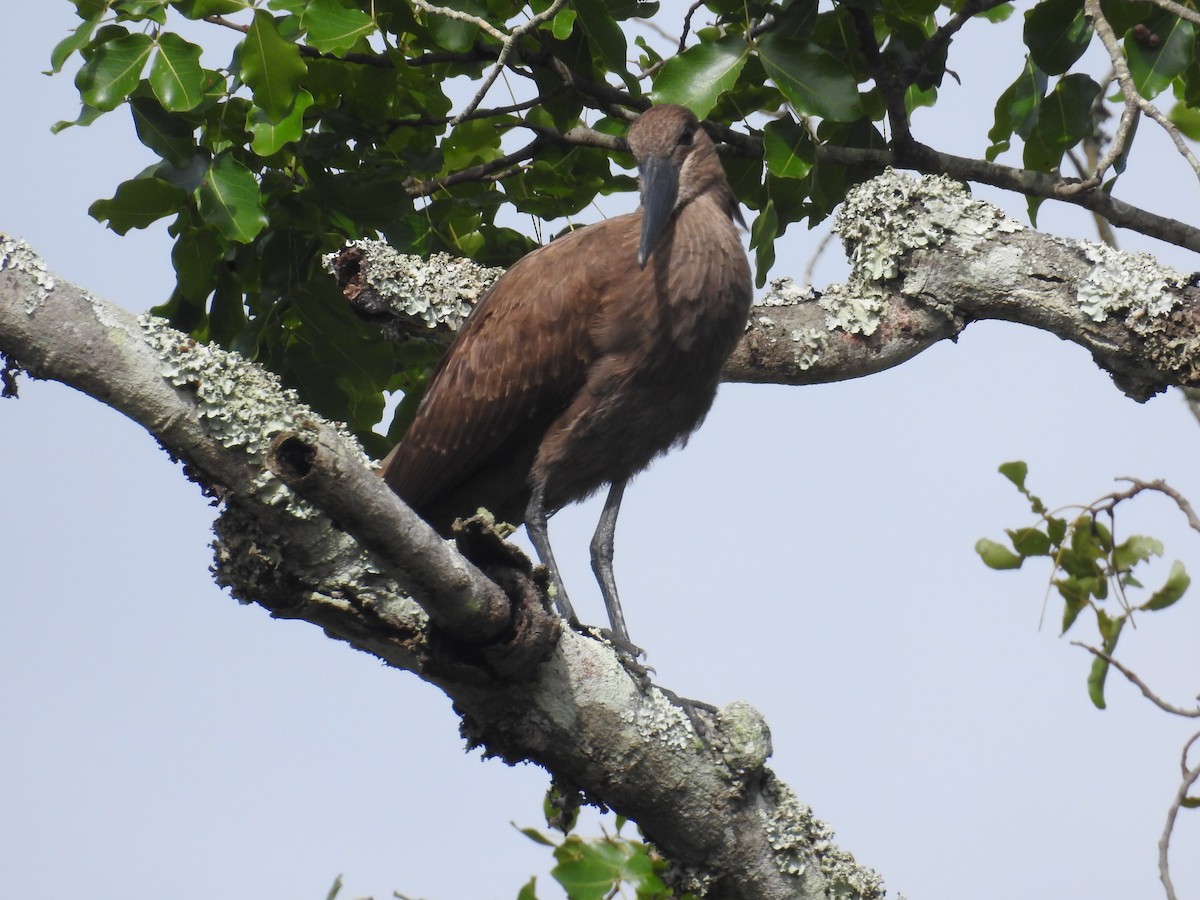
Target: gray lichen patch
column 810, row 345
column 240, row 404
column 786, row 292
column 17, row 256
column 1131, row 283
column 890, row 216
column 658, row 719
column 440, row 290
column 799, row 839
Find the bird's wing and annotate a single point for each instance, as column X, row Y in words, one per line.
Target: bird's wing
column 514, row 365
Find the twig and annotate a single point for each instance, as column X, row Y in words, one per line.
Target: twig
column 1178, row 9
column 1134, row 102
column 1141, row 685
column 687, row 23
column 1163, row 488
column 508, row 45
column 945, row 33
column 1190, row 776
column 433, row 121
column 492, row 170
column 482, row 24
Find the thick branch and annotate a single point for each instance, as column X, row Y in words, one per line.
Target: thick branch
column 929, row 260
column 711, row 805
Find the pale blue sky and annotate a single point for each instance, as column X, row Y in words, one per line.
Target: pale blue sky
column 809, row 552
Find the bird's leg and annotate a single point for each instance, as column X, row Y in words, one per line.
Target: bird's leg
column 539, row 536
column 602, row 565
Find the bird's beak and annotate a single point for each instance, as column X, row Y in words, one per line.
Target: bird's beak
column 660, row 188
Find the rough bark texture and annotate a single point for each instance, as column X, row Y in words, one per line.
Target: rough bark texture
column 928, row 260
column 536, row 692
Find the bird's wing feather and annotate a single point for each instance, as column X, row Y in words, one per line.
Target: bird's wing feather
column 513, row 367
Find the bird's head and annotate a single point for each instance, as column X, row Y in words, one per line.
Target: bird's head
column 667, row 142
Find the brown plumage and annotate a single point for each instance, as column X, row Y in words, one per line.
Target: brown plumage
column 588, row 358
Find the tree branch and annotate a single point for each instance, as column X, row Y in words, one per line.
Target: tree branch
column 928, row 261
column 712, row 806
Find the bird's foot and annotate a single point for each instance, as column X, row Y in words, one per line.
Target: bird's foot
column 692, row 709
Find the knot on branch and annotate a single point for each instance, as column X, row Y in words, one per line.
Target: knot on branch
column 535, row 628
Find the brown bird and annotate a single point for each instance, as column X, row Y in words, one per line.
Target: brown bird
column 588, row 358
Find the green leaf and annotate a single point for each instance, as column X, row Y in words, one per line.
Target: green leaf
column 1017, row 108
column 1057, row 33
column 230, row 200
column 137, row 203
column 1158, row 51
column 1176, row 585
column 87, row 115
column 272, row 66
column 1110, row 629
column 1186, row 119
column 196, row 256
column 789, row 148
column 176, row 77
column 332, row 28
column 268, row 136
column 563, row 24
column 529, row 890
column 537, row 837
column 1029, row 541
column 76, row 40
column 198, row 9
column 139, row 10
column 814, row 81
column 170, row 136
column 1056, row 530
column 697, row 77
column 763, row 232
column 997, row 556
column 113, row 71
column 1135, row 549
column 588, row 870
column 604, row 35
column 1015, row 472
column 1065, row 119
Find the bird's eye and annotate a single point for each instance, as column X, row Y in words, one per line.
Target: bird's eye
column 685, row 136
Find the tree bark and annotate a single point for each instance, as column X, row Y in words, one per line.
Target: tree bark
column 308, row 530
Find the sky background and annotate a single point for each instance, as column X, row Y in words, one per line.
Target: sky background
column 809, row 552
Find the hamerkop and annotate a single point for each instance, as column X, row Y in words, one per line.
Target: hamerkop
column 588, row 358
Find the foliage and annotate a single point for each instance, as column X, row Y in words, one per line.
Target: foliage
column 601, row 867
column 331, row 120
column 1089, row 566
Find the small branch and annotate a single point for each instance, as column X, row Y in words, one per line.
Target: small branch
column 1139, row 684
column 488, row 171
column 506, row 49
column 687, row 24
column 946, row 32
column 1178, row 9
column 1163, row 488
column 459, row 15
column 1190, row 777
column 494, row 112
column 1134, row 101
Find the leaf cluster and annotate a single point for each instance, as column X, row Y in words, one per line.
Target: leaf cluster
column 1090, row 569
column 600, row 867
column 298, row 125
